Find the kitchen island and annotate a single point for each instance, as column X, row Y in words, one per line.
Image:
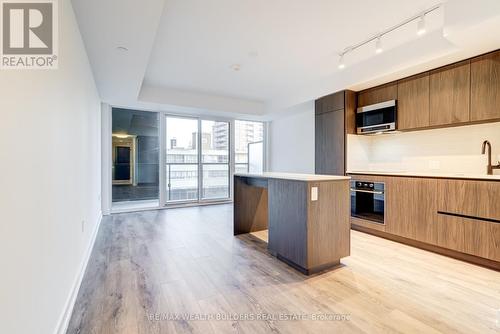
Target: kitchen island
column 307, row 216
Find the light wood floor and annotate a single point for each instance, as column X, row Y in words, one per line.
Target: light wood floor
column 186, row 261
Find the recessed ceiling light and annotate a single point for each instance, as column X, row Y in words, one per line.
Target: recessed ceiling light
column 122, row 48
column 236, row 67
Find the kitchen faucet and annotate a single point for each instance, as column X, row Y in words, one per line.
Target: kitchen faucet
column 490, row 168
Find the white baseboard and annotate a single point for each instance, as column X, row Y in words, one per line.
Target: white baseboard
column 62, row 324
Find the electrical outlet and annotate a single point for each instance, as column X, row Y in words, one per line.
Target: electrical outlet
column 434, row 165
column 83, row 226
column 314, row 194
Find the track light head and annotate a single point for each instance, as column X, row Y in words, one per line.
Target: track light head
column 421, row 26
column 341, row 62
column 378, row 46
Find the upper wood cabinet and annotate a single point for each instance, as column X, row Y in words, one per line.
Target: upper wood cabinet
column 450, row 94
column 378, row 94
column 413, row 102
column 350, row 112
column 485, row 87
column 329, row 103
column 458, row 94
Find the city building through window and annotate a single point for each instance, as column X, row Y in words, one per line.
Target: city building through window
column 248, row 134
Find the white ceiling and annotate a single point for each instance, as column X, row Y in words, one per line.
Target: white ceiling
column 181, row 51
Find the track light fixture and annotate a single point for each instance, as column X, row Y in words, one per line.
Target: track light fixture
column 378, row 45
column 341, row 62
column 421, row 26
column 421, row 29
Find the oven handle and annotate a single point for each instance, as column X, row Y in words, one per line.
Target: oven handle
column 368, row 191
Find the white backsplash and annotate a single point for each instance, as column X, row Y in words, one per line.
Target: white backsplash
column 449, row 150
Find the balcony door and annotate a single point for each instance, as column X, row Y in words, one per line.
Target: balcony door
column 197, row 160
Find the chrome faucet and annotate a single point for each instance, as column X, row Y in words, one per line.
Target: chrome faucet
column 490, row 168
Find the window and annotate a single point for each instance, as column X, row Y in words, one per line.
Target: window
column 249, row 138
column 215, row 159
column 169, row 159
column 182, row 159
column 197, row 159
column 135, row 156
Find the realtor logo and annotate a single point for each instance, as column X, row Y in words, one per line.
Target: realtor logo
column 29, row 34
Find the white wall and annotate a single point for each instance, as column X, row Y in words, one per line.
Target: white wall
column 291, row 143
column 50, row 183
column 456, row 150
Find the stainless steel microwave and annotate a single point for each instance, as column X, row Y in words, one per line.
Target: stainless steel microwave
column 378, row 117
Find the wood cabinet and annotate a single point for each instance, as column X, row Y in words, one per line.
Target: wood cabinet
column 350, row 112
column 330, row 143
column 453, row 214
column 252, row 216
column 450, row 94
column 470, row 236
column 476, row 199
column 461, row 93
column 334, row 118
column 378, row 94
column 310, row 234
column 413, row 102
column 331, row 239
column 411, row 208
column 288, row 227
column 485, row 87
column 329, row 103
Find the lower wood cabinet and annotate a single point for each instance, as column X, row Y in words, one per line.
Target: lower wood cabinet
column 469, row 217
column 288, row 231
column 330, row 143
column 470, row 236
column 460, row 215
column 476, row 199
column 411, row 208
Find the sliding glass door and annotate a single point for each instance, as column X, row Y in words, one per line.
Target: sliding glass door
column 215, row 160
column 182, row 159
column 134, row 158
column 197, row 160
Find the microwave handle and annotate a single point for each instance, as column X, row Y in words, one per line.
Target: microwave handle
column 368, row 191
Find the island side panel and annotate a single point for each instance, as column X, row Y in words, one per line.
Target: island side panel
column 328, row 223
column 250, row 207
column 288, row 220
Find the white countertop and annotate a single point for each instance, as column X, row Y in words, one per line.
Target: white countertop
column 430, row 174
column 294, row 176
